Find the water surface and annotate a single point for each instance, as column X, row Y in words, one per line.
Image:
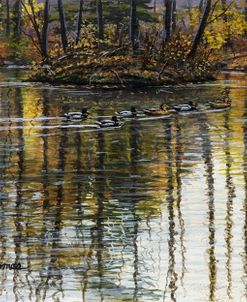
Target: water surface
column 154, row 211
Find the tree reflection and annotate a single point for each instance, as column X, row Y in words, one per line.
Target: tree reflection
column 134, row 145
column 45, row 137
column 172, row 276
column 53, row 274
column 5, row 161
column 245, row 198
column 178, row 172
column 209, row 173
column 19, row 191
column 229, row 204
column 98, row 230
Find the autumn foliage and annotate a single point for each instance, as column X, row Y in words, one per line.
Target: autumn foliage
column 109, row 58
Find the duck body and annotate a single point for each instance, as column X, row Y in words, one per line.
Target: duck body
column 127, row 113
column 223, row 103
column 185, row 107
column 219, row 105
column 77, row 115
column 109, row 123
column 157, row 111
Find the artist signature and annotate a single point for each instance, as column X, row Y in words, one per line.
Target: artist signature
column 10, row 266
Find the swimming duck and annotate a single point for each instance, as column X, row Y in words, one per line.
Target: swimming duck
column 162, row 110
column 223, row 103
column 186, row 107
column 114, row 122
column 77, row 115
column 127, row 113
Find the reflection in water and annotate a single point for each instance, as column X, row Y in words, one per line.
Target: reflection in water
column 229, row 205
column 45, row 166
column 99, row 225
column 171, row 273
column 19, row 200
column 179, row 159
column 134, row 140
column 122, row 215
column 209, row 173
column 244, row 278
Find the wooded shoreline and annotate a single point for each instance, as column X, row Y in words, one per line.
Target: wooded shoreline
column 88, row 46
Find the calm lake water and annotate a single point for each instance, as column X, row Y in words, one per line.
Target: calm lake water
column 154, row 211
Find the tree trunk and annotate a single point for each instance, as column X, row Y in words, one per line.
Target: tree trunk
column 201, row 29
column 133, row 27
column 17, row 21
column 201, row 4
column 44, row 34
column 7, row 19
column 167, row 20
column 99, row 13
column 245, row 15
column 174, row 15
column 62, row 24
column 79, row 21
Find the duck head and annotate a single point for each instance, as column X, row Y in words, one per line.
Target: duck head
column 226, row 91
column 163, row 107
column 133, row 110
column 114, row 118
column 193, row 105
column 84, row 111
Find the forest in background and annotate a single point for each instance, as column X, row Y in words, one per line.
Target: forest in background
column 123, row 42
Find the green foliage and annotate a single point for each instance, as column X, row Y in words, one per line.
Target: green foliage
column 117, row 12
column 19, row 51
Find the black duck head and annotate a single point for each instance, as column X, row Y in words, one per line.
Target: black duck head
column 133, row 109
column 114, row 118
column 84, row 111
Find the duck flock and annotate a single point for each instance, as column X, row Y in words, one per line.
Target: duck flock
column 164, row 110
